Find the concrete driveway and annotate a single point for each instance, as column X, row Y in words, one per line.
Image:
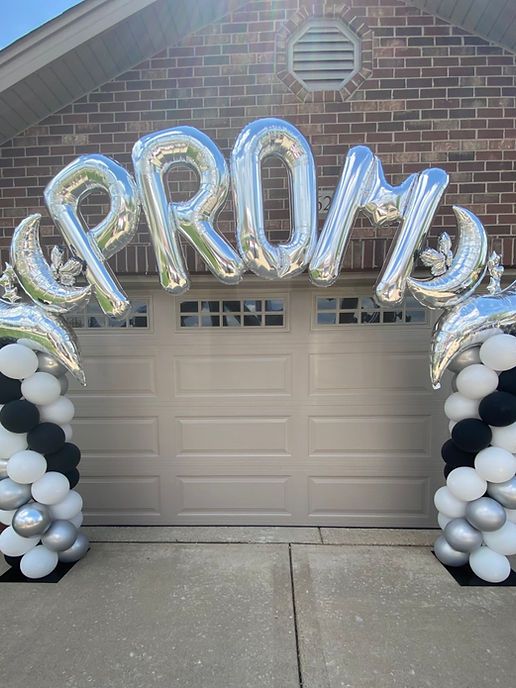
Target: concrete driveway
column 257, row 608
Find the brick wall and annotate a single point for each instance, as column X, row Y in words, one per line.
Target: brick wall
column 429, row 94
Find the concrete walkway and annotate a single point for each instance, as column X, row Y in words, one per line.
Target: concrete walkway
column 257, row 608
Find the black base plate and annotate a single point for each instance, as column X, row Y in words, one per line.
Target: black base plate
column 14, row 575
column 466, row 578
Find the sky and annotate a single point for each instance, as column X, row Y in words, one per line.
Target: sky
column 20, row 17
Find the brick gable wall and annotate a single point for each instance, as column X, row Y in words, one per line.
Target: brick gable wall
column 429, row 94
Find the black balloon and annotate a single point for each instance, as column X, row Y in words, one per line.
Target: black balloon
column 46, row 438
column 447, row 470
column 498, row 409
column 455, row 457
column 10, row 389
column 13, row 562
column 65, row 459
column 19, row 416
column 507, row 381
column 73, row 477
column 471, row 435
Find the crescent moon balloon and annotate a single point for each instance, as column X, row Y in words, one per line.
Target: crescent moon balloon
column 468, row 324
column 42, row 331
column 35, row 275
column 465, row 272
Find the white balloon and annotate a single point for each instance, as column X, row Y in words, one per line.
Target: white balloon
column 496, row 465
column 499, row 352
column 68, row 508
column 502, row 540
column 451, row 425
column 51, row 488
column 446, row 503
column 17, row 361
column 489, row 565
column 477, row 381
column 443, row 520
column 60, row 411
column 6, row 517
column 26, row 466
column 11, row 442
column 457, row 407
column 15, row 545
column 41, row 388
column 511, row 515
column 504, row 437
column 39, row 562
column 68, row 431
column 466, row 484
column 77, row 520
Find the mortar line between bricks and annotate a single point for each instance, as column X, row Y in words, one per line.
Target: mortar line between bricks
column 294, row 612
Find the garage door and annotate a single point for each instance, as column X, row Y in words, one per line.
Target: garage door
column 253, row 405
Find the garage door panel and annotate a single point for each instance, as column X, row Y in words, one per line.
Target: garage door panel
column 352, row 373
column 118, row 437
column 121, row 498
column 233, row 435
column 351, row 436
column 118, row 376
column 223, row 376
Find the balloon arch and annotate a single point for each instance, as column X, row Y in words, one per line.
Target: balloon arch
column 472, row 337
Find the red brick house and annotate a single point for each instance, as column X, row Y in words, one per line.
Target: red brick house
column 266, row 403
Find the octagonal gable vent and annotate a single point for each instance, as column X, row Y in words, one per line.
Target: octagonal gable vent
column 324, row 55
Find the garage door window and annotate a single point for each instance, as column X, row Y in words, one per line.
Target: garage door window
column 92, row 317
column 225, row 313
column 362, row 310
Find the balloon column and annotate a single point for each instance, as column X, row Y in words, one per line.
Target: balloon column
column 477, row 507
column 38, row 464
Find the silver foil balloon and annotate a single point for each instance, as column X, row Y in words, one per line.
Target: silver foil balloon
column 469, row 324
column 13, row 495
column 466, row 271
column 424, row 199
column 32, row 519
column 3, row 468
column 60, row 536
column 505, row 493
column 48, row 364
column 447, row 555
column 43, row 331
column 64, row 384
column 258, row 140
column 153, row 156
column 35, row 274
column 485, row 514
column 63, row 196
column 464, row 359
column 76, row 551
column 453, row 384
column 461, row 535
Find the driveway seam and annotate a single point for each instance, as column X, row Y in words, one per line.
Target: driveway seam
column 294, row 613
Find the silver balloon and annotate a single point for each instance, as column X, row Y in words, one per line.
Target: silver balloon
column 13, row 495
column 347, row 201
column 447, row 555
column 258, row 140
column 63, row 196
column 3, row 468
column 32, row 519
column 153, row 156
column 48, row 364
column 470, row 324
column 35, row 274
column 60, row 536
column 462, row 536
column 76, row 551
column 505, row 493
column 63, row 382
column 465, row 272
column 43, row 331
column 464, row 359
column 486, row 514
column 454, row 384
column 423, row 201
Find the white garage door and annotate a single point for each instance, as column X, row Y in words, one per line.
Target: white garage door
column 253, row 405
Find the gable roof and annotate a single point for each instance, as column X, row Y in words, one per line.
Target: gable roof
column 95, row 41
